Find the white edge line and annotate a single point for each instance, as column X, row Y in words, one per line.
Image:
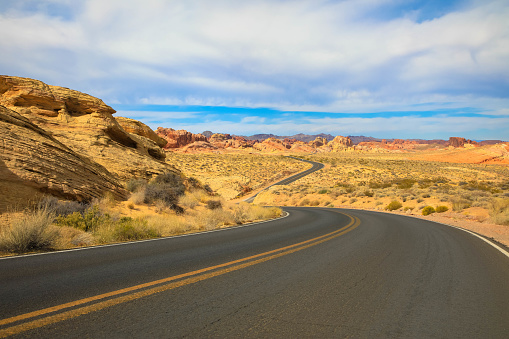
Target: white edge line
column 146, row 240
column 504, row 252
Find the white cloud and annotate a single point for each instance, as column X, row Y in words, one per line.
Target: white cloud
column 332, row 56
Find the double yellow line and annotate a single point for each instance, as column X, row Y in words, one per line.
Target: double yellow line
column 79, row 307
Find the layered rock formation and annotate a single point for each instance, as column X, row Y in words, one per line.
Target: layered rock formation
column 85, row 125
column 340, row 143
column 32, row 162
column 137, row 127
column 178, row 138
column 460, row 142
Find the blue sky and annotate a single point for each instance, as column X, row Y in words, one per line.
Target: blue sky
column 382, row 68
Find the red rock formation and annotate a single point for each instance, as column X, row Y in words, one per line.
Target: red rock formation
column 178, row 138
column 271, row 145
column 460, row 142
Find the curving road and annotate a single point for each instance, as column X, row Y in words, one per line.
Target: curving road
column 316, row 166
column 315, row 273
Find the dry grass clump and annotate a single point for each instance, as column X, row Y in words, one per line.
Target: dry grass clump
column 31, row 232
column 499, row 211
column 60, row 224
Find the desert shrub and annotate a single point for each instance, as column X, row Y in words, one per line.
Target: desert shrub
column 405, row 183
column 30, row 232
column 188, row 200
column 304, row 202
column 459, row 204
column 134, row 185
column 352, row 200
column 406, row 208
column 214, row 204
column 57, row 207
column 378, row 185
column 133, row 229
column 314, row 203
column 428, row 210
column 368, row 193
column 442, row 209
column 90, row 220
column 480, row 186
column 425, row 195
column 499, row 211
column 323, row 191
column 172, row 180
column 211, row 219
column 164, row 193
column 394, row 205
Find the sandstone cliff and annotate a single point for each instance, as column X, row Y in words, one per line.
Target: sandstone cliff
column 340, row 143
column 179, row 138
column 86, row 125
column 460, row 142
column 32, row 162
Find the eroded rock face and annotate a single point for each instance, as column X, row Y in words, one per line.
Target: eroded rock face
column 340, row 143
column 85, row 124
column 318, row 142
column 178, row 138
column 460, row 142
column 272, row 145
column 137, row 127
column 33, row 162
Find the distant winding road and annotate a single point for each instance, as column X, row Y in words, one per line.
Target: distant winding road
column 315, row 273
column 316, row 166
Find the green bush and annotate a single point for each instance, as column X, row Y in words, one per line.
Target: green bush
column 394, row 205
column 31, row 232
column 90, row 220
column 442, row 209
column 323, row 191
column 428, row 210
column 133, row 229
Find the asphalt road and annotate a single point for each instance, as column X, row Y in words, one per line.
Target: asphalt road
column 316, row 273
column 316, row 166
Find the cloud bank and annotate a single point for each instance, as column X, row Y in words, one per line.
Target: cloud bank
column 342, row 57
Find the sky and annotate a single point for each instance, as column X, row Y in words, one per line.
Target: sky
column 381, row 68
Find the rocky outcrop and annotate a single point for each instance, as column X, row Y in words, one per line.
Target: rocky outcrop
column 198, row 146
column 318, row 142
column 460, row 142
column 178, row 138
column 272, row 145
column 33, row 162
column 219, row 137
column 84, row 124
column 340, row 143
column 137, row 127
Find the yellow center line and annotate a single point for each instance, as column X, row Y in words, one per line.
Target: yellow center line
column 192, row 277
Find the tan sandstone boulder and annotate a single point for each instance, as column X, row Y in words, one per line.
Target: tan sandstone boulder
column 340, row 143
column 85, row 124
column 33, row 162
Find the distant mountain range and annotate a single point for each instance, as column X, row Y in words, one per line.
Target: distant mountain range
column 356, row 139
